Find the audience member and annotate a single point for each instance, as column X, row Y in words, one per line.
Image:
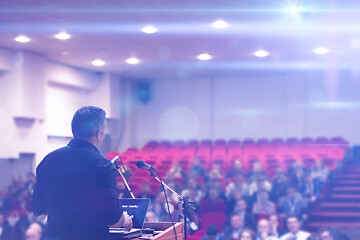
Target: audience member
column 217, row 170
column 279, row 185
column 175, row 171
column 30, row 183
column 263, row 230
column 275, row 229
column 298, row 177
column 256, row 173
column 326, row 234
column 34, row 232
column 320, row 174
column 236, row 169
column 237, row 186
column 197, row 168
column 212, row 202
column 123, row 191
column 292, row 204
column 233, row 231
column 293, row 224
column 247, row 218
column 260, row 184
column 211, row 233
column 7, row 228
column 150, row 216
column 263, row 206
column 231, row 202
column 247, row 234
column 145, row 192
column 309, row 190
column 192, row 186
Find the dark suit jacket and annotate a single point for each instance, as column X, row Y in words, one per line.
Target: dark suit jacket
column 76, row 187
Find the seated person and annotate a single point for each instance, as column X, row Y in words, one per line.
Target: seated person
column 198, row 168
column 233, row 231
column 293, row 224
column 231, row 202
column 247, row 218
column 247, row 234
column 256, row 172
column 279, row 185
column 34, row 232
column 292, row 204
column 263, row 206
column 239, row 185
column 236, row 169
column 217, row 170
column 211, row 233
column 192, row 186
column 260, row 184
column 145, row 192
column 212, row 202
column 263, row 230
column 275, row 229
column 150, row 216
column 309, row 190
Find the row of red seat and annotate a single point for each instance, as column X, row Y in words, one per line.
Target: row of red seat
column 271, row 153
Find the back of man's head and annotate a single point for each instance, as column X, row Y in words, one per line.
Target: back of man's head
column 87, row 121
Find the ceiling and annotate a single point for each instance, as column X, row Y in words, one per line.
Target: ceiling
column 110, row 30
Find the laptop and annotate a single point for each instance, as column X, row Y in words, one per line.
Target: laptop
column 136, row 209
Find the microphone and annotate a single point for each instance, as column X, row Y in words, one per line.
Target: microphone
column 114, row 160
column 142, row 164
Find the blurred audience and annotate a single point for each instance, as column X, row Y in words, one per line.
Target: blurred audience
column 252, row 201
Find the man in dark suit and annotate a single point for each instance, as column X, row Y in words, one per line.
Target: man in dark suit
column 76, row 185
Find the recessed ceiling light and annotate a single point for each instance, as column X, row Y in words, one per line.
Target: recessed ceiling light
column 294, row 10
column 321, row 50
column 204, row 57
column 64, row 53
column 63, row 36
column 220, row 24
column 22, row 39
column 98, row 63
column 261, row 53
column 133, row 60
column 149, row 29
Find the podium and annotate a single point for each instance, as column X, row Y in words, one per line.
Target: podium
column 167, row 230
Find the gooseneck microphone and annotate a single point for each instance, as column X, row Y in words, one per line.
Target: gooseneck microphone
column 142, row 164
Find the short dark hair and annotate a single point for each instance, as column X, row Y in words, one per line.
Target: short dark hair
column 293, row 216
column 251, row 233
column 211, row 230
column 87, row 121
column 331, row 231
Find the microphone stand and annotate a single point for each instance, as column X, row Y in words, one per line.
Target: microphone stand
column 186, row 203
column 123, row 178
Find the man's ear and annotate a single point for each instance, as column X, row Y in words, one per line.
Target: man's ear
column 99, row 133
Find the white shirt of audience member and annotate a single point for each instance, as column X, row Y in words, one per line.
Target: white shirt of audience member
column 294, row 233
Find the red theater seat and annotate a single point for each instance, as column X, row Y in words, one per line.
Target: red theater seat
column 217, row 219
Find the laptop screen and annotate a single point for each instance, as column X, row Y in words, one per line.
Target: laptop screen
column 136, row 209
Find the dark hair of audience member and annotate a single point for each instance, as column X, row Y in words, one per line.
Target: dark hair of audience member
column 249, row 232
column 211, row 230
